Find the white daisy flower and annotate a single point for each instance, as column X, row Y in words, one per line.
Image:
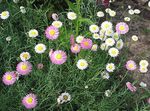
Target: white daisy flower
column 119, row 44
column 94, row 47
column 110, row 67
column 142, row 84
column 94, row 28
column 109, row 32
column 137, row 11
column 106, row 25
column 109, row 41
column 129, row 6
column 57, row 24
column 107, row 10
column 4, row 15
column 82, row 64
column 108, row 93
column 86, row 87
column 24, row 56
column 8, row 39
column 131, row 12
column 104, row 46
column 100, row 14
column 33, row 33
column 144, row 63
column 96, row 36
column 135, row 38
column 127, row 19
column 63, row 98
column 79, row 39
column 113, row 52
column 40, row 48
column 112, row 13
column 143, row 69
column 105, row 75
column 22, row 9
column 71, row 15
column 116, row 36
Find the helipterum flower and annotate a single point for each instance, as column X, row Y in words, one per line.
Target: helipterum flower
column 24, row 56
column 137, row 11
column 95, row 36
column 130, row 65
column 40, row 48
column 106, row 25
column 75, row 48
column 110, row 67
column 57, row 24
column 82, row 64
column 122, row 28
column 30, row 101
column 144, row 63
column 113, row 52
column 116, row 36
column 129, row 6
column 63, row 98
column 131, row 11
column 4, row 15
column 105, row 75
column 109, row 32
column 22, row 9
column 100, row 14
column 8, row 39
column 108, row 93
column 119, row 44
column 143, row 69
column 94, row 28
column 71, row 15
column 143, row 85
column 107, row 10
column 134, row 38
column 103, row 46
column 112, row 13
column 33, row 33
column 94, row 47
column 109, row 41
column 127, row 19
column 79, row 39
column 86, row 44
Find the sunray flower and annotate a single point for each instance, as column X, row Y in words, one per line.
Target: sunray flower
column 108, row 93
column 24, row 68
column 75, row 48
column 4, row 15
column 112, row 13
column 96, row 36
column 57, row 24
column 94, row 47
column 86, row 43
column 104, row 46
column 82, row 64
column 9, row 78
column 131, row 87
column 30, row 101
column 110, row 67
column 52, row 33
column 143, row 69
column 94, row 28
column 100, row 14
column 40, row 48
column 131, row 65
column 24, row 56
column 119, row 44
column 109, row 41
column 71, row 15
column 58, row 57
column 144, row 63
column 63, row 98
column 106, row 25
column 79, row 39
column 33, row 33
column 113, row 52
column 122, row 28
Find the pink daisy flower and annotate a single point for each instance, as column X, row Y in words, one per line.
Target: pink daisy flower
column 75, row 48
column 131, row 87
column 131, row 65
column 58, row 57
column 86, row 43
column 9, row 78
column 122, row 28
column 24, row 68
column 52, row 33
column 30, row 101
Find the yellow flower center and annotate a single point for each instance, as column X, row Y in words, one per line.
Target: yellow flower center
column 40, row 48
column 131, row 65
column 86, row 43
column 4, row 13
column 65, row 97
column 29, row 100
column 82, row 64
column 33, row 33
column 24, row 67
column 58, row 56
column 106, row 25
column 113, row 52
column 52, row 32
column 110, row 67
column 25, row 56
column 9, row 77
column 75, row 48
column 121, row 28
column 94, row 28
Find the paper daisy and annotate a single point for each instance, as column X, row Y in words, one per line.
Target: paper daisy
column 24, row 56
column 110, row 67
column 94, row 47
column 4, row 15
column 112, row 13
column 75, row 48
column 71, row 15
column 108, row 93
column 113, row 52
column 63, row 98
column 134, row 38
column 40, row 48
column 33, row 33
column 106, row 25
column 94, row 29
column 144, row 63
column 116, row 36
column 109, row 32
column 143, row 69
column 104, row 46
column 30, row 101
column 131, row 87
column 137, row 11
column 100, row 14
column 52, row 33
column 86, row 43
column 127, row 19
column 131, row 12
column 82, row 64
column 57, row 24
column 24, row 68
column 58, row 57
column 79, row 39
column 9, row 78
column 105, row 75
column 122, row 28
column 22, row 9
column 130, row 65
column 119, row 44
column 96, row 36
column 110, row 42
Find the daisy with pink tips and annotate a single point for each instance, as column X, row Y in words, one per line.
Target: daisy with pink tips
column 24, row 68
column 86, row 43
column 9, row 78
column 122, row 28
column 30, row 101
column 131, row 65
column 58, row 57
column 52, row 33
column 131, row 87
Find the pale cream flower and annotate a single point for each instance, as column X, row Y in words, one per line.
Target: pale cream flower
column 100, row 14
column 71, row 15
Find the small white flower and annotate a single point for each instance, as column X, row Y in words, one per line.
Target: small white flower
column 104, row 46
column 79, row 39
column 119, row 44
column 71, row 15
column 109, row 41
column 144, row 63
column 22, row 9
column 131, row 12
column 142, row 84
column 82, row 64
column 63, row 98
column 40, row 48
column 113, row 52
column 4, row 15
column 149, row 3
column 86, row 87
column 109, row 32
column 24, row 56
column 106, row 25
column 107, row 10
column 112, row 13
column 8, row 39
column 15, row 1
column 116, row 36
column 105, row 75
column 57, row 24
column 129, row 6
column 100, row 14
column 33, row 33
column 94, row 28
column 110, row 67
column 143, row 69
column 137, row 11
column 96, row 36
column 94, row 47
column 108, row 93
column 127, row 19
column 135, row 38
